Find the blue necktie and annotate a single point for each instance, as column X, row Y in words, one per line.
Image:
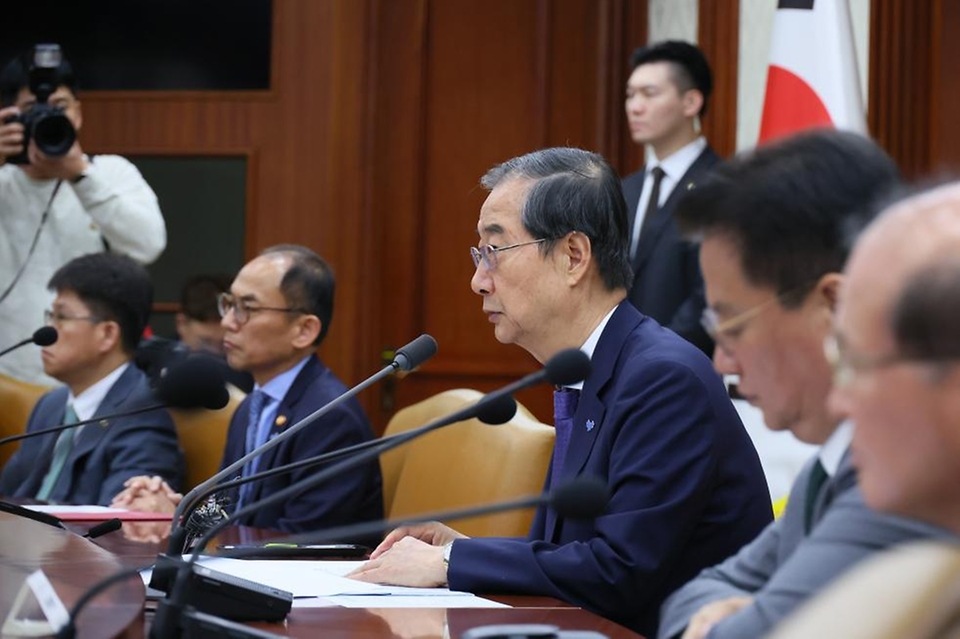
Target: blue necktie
column 257, row 401
column 565, row 402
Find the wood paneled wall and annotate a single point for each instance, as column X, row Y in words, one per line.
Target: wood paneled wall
column 381, row 117
column 383, row 114
column 718, row 34
column 461, row 86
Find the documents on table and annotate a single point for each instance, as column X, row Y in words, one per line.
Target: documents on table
column 308, row 580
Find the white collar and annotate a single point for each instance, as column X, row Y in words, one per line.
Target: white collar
column 591, row 344
column 85, row 404
column 676, row 164
column 836, row 445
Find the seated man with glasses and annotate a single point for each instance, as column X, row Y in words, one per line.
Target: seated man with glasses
column 277, row 312
column 101, row 308
column 775, row 227
column 897, row 350
column 652, row 419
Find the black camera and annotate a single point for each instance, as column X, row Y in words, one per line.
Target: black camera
column 43, row 123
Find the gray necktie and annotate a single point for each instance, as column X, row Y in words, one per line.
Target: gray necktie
column 61, row 451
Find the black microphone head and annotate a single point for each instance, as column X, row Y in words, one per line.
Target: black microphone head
column 45, row 336
column 496, row 409
column 194, row 382
column 583, row 497
column 415, row 353
column 569, row 366
column 103, row 528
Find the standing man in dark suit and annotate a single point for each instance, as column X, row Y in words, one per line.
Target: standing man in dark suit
column 101, row 306
column 667, row 93
column 653, row 420
column 277, row 312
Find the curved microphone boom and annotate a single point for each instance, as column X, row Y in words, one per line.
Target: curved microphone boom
column 43, row 336
column 193, row 383
column 407, row 358
column 499, row 410
column 566, row 367
column 583, row 497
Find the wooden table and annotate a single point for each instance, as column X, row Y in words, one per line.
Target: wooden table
column 73, row 564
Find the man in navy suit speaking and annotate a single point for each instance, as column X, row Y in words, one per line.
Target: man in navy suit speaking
column 653, row 419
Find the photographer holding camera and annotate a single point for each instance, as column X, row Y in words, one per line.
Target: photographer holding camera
column 57, row 203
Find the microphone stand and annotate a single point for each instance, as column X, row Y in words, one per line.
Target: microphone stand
column 582, row 497
column 93, row 420
column 170, row 609
column 498, row 409
column 420, row 349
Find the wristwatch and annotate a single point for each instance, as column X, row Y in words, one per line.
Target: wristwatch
column 447, row 549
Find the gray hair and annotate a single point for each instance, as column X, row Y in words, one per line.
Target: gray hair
column 573, row 190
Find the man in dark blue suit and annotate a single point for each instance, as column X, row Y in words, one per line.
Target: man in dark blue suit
column 101, row 307
column 653, row 419
column 277, row 312
column 667, row 94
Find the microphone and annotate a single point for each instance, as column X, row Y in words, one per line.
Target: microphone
column 583, row 497
column 103, row 528
column 43, row 336
column 415, row 353
column 195, row 382
column 407, row 358
column 497, row 411
column 566, row 367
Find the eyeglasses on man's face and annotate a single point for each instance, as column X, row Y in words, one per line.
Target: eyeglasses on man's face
column 488, row 253
column 846, row 365
column 725, row 333
column 57, row 318
column 242, row 309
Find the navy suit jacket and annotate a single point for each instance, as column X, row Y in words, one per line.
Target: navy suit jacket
column 104, row 454
column 655, row 422
column 667, row 283
column 355, row 496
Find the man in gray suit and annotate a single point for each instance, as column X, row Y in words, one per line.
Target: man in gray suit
column 774, row 225
column 101, row 307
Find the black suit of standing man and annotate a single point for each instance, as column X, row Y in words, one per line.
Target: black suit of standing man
column 667, row 92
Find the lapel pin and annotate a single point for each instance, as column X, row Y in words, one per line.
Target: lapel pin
column 690, row 185
column 590, row 425
column 280, row 421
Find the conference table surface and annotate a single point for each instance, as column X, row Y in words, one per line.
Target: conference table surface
column 74, row 563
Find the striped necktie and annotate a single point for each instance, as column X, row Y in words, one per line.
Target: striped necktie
column 258, row 400
column 61, row 451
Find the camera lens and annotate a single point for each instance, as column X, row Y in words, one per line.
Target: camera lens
column 53, row 133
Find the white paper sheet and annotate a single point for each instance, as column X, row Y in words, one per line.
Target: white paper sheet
column 310, row 580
